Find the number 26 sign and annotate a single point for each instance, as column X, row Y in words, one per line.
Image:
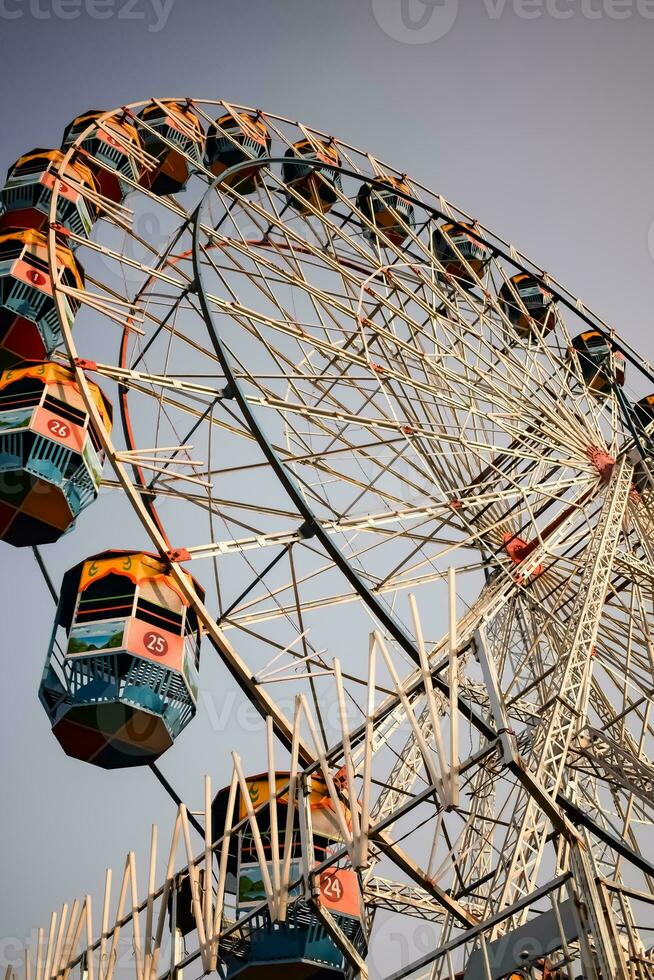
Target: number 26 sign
column 58, row 428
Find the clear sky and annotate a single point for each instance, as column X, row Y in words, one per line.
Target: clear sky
column 533, row 116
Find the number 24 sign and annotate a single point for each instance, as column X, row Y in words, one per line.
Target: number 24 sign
column 331, row 887
column 339, row 890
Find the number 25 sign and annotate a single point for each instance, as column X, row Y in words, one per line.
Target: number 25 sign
column 155, row 643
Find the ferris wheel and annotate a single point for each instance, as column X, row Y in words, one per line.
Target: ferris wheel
column 397, row 478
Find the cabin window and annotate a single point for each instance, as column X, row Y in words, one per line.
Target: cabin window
column 64, row 410
column 35, row 166
column 156, row 615
column 112, row 597
column 25, row 393
column 11, row 249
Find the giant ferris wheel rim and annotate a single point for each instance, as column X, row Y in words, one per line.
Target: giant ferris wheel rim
column 504, row 247
column 500, row 247
column 513, row 257
column 310, row 523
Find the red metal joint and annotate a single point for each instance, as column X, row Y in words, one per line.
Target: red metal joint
column 601, row 460
column 177, row 555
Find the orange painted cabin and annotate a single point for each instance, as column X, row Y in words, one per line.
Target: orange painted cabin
column 50, row 456
column 384, row 204
column 111, row 150
column 600, row 364
column 234, row 139
column 315, row 185
column 173, row 137
column 30, row 328
column 27, row 193
column 528, row 305
column 460, row 253
column 120, row 681
column 298, row 948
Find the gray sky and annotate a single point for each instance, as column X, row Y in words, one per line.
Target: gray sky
column 540, row 126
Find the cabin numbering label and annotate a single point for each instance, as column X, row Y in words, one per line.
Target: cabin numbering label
column 155, row 643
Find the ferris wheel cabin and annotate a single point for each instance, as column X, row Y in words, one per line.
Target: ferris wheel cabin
column 234, row 139
column 298, row 948
column 527, row 304
column 459, row 251
column 50, row 459
column 172, row 133
column 28, row 188
column 601, row 365
column 111, row 148
column 122, row 683
column 385, row 206
column 644, row 411
column 29, row 322
column 317, row 186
